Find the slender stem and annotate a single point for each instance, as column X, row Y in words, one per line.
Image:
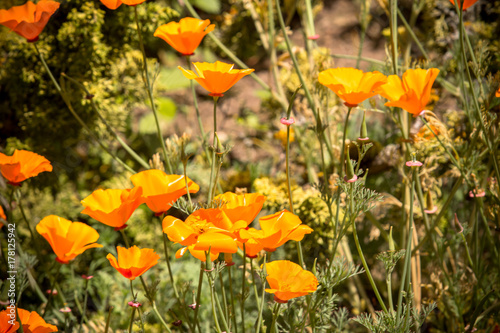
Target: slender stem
column 125, row 238
column 224, row 299
column 51, row 290
column 412, row 34
column 276, row 312
column 108, row 320
column 198, row 297
column 287, row 157
column 212, row 185
column 157, row 313
column 19, row 202
column 133, row 309
column 252, row 272
column 149, row 89
column 125, row 146
column 233, row 308
column 363, row 260
column 393, row 22
column 259, row 321
column 405, row 281
column 309, row 98
column 85, row 299
column 77, row 117
column 243, row 289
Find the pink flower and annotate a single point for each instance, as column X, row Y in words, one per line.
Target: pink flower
column 287, row 122
column 65, row 309
column 413, row 164
column 478, row 193
column 87, row 277
column 134, row 304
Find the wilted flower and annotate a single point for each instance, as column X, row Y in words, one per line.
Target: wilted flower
column 134, row 304
column 113, row 4
column 160, row 190
column 413, row 92
column 352, row 85
column 287, row 121
column 203, row 230
column 184, row 36
column 217, row 77
column 112, row 207
column 33, row 323
column 477, row 192
column 288, row 280
column 67, row 239
column 133, row 262
column 28, row 20
column 466, row 3
column 66, row 309
column 22, row 165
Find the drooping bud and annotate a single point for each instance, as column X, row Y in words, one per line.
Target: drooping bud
column 350, row 176
column 430, row 208
column 363, row 133
column 391, row 241
column 228, row 259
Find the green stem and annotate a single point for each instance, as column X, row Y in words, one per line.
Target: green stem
column 157, row 313
column 405, row 282
column 125, row 146
column 224, row 299
column 276, row 312
column 108, row 320
column 77, row 117
column 363, row 260
column 409, row 29
column 259, row 321
column 19, row 202
column 198, row 297
column 393, row 23
column 133, row 309
column 212, row 171
column 257, row 300
column 233, row 308
column 242, row 308
column 85, row 299
column 149, row 89
column 309, row 98
column 52, row 285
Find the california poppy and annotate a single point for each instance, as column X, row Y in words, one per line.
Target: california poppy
column 112, row 207
column 352, row 85
column 67, row 239
column 113, row 4
column 204, row 229
column 217, row 77
column 497, row 93
column 6, row 323
column 160, row 190
column 413, row 92
column 2, row 214
column 28, row 20
column 275, row 230
column 184, row 36
column 133, row 262
column 466, row 3
column 22, row 165
column 241, row 206
column 288, row 280
column 33, row 323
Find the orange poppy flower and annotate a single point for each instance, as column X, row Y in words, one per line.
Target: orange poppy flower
column 204, row 229
column 466, row 3
column 67, row 239
column 184, row 36
column 160, row 190
column 413, row 92
column 352, row 85
column 275, row 230
column 2, row 214
column 216, row 77
column 6, row 317
column 113, row 4
column 29, row 19
column 33, row 323
column 22, row 165
column 112, row 207
column 497, row 93
column 288, row 280
column 133, row 262
column 241, row 206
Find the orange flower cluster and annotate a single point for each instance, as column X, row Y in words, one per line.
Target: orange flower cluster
column 29, row 19
column 288, row 280
column 22, row 165
column 412, row 93
column 275, row 230
column 223, row 230
column 67, row 239
column 32, row 322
